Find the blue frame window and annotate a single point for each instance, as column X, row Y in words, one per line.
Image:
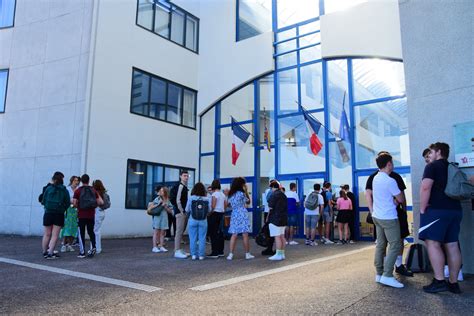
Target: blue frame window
column 7, row 13
column 163, row 100
column 3, row 89
column 143, row 177
column 169, row 21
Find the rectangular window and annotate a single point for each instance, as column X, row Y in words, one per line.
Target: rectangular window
column 162, row 99
column 169, row 21
column 253, row 18
column 7, row 13
column 143, row 177
column 3, row 88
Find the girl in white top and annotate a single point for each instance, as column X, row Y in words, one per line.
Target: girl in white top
column 218, row 207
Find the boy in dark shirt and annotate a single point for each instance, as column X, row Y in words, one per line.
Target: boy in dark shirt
column 278, row 219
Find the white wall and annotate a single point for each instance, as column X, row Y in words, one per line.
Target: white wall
column 47, row 52
column 368, row 29
column 115, row 134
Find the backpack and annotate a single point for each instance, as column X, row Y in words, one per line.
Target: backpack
column 263, row 237
column 87, row 198
column 40, row 197
column 53, row 198
column 174, row 194
column 199, row 209
column 458, row 186
column 311, row 202
column 107, row 203
column 418, row 260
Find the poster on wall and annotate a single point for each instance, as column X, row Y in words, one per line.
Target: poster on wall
column 464, row 144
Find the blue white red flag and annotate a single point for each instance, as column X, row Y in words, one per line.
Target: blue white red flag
column 344, row 126
column 240, row 136
column 313, row 129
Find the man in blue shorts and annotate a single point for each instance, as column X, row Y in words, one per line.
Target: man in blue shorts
column 293, row 219
column 440, row 221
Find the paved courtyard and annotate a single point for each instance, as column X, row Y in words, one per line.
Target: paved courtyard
column 128, row 279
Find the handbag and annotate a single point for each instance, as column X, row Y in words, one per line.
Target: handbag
column 369, row 219
column 156, row 211
column 263, row 237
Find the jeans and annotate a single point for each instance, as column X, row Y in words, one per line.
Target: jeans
column 99, row 218
column 388, row 230
column 197, row 232
column 83, row 222
column 181, row 220
column 215, row 232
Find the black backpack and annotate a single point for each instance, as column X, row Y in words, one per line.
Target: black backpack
column 87, row 198
column 107, row 203
column 199, row 209
column 418, row 260
column 174, row 194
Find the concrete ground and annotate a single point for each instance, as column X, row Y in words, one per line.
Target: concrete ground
column 335, row 279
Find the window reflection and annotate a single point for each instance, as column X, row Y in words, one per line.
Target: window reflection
column 255, row 17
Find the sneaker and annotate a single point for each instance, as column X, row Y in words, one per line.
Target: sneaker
column 327, row 241
column 390, row 281
column 276, row 257
column 91, row 253
column 81, row 255
column 63, row 248
column 344, row 242
column 313, row 243
column 402, row 270
column 322, row 241
column 69, row 248
column 221, row 255
column 454, row 287
column 213, row 256
column 187, row 254
column 339, row 242
column 287, row 243
column 179, row 255
column 201, row 258
column 352, row 242
column 230, row 256
column 98, row 252
column 45, row 254
column 436, row 286
column 194, row 258
column 52, row 256
column 248, row 256
column 294, row 243
column 377, row 278
column 155, row 250
column 307, row 242
column 163, row 249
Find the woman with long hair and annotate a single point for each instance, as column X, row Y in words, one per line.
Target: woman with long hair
column 100, row 213
column 198, row 208
column 239, row 220
column 160, row 222
column 69, row 231
column 344, row 206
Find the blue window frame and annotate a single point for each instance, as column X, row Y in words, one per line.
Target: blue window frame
column 143, row 177
column 163, row 100
column 7, row 13
column 3, row 89
column 169, row 21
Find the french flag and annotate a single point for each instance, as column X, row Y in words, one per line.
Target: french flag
column 240, row 136
column 313, row 129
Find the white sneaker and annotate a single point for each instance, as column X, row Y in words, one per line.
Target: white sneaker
column 352, row 242
column 377, row 278
column 391, row 282
column 294, row 242
column 155, row 250
column 63, row 248
column 230, row 256
column 70, row 248
column 287, row 243
column 313, row 243
column 276, row 257
column 179, row 255
column 194, row 258
column 163, row 249
column 328, row 241
column 201, row 258
column 187, row 254
column 248, row 256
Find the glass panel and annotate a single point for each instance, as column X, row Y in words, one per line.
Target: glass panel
column 361, row 182
column 295, row 152
column 286, row 60
column 3, row 88
column 154, row 177
column 239, row 105
column 177, row 26
column 207, row 169
column 291, row 11
column 255, row 17
column 245, row 163
column 140, row 87
column 192, row 178
column 308, row 185
column 267, row 164
column 286, row 34
column 286, row 46
column 377, row 78
column 174, row 103
column 158, row 98
column 365, row 229
column 207, row 131
column 135, row 185
column 191, row 33
column 340, row 163
column 382, row 126
column 171, row 175
column 162, row 20
column 266, row 109
column 189, row 102
column 409, row 191
column 288, row 91
column 337, row 87
column 311, row 87
column 309, row 27
column 310, row 39
column 145, row 14
column 310, row 54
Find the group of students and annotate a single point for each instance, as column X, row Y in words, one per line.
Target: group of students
column 70, row 211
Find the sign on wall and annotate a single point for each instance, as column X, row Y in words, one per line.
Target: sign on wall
column 464, row 144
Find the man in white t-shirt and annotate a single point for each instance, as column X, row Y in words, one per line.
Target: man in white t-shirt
column 386, row 194
column 312, row 211
column 293, row 218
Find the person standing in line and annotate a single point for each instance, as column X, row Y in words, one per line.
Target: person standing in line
column 239, row 221
column 352, row 220
column 384, row 215
column 160, row 222
column 426, row 155
column 216, row 216
column 313, row 209
column 69, row 231
column 100, row 213
column 327, row 216
column 179, row 203
column 197, row 207
column 293, row 219
column 344, row 206
column 278, row 219
column 440, row 221
column 266, row 209
column 55, row 200
column 86, row 199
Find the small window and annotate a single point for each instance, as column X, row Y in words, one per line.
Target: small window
column 145, row 14
column 177, row 26
column 254, row 18
column 3, row 89
column 7, row 13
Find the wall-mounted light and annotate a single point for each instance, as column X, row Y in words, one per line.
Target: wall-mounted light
column 140, row 173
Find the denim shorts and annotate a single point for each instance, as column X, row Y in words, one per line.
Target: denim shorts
column 311, row 221
column 161, row 221
column 441, row 225
column 293, row 220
